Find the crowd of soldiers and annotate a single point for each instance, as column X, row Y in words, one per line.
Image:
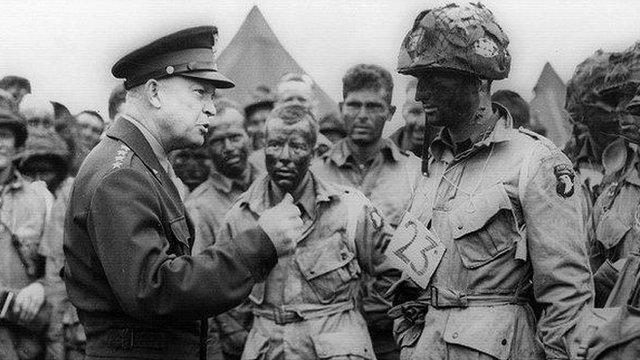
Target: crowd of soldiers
column 284, row 233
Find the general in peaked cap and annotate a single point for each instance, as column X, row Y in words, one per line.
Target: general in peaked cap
column 190, row 52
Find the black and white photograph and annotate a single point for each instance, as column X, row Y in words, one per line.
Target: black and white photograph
column 330, row 179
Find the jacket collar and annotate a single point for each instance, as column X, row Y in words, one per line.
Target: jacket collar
column 123, row 130
column 340, row 153
column 501, row 131
column 225, row 184
column 258, row 200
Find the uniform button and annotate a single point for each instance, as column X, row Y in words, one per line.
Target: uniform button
column 455, row 335
column 460, row 227
column 504, row 342
column 343, row 256
column 311, row 272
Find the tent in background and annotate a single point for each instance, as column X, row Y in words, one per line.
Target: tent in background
column 256, row 57
column 547, row 107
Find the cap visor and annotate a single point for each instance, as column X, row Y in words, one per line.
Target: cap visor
column 219, row 81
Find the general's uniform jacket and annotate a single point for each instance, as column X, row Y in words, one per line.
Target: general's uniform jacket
column 318, row 281
column 507, row 213
column 126, row 269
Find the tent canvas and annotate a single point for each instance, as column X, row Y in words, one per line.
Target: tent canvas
column 547, row 107
column 256, row 57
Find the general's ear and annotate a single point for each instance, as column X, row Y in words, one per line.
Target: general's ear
column 152, row 93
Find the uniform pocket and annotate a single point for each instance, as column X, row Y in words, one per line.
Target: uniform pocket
column 343, row 345
column 485, row 229
column 329, row 267
column 489, row 330
column 611, row 229
column 256, row 346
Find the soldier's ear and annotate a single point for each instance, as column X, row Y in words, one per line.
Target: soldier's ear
column 152, row 93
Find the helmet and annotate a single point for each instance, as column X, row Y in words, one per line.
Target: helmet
column 17, row 123
column 456, row 38
column 624, row 75
column 585, row 84
column 44, row 143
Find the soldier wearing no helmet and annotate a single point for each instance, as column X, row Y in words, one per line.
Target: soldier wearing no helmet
column 127, row 241
column 501, row 201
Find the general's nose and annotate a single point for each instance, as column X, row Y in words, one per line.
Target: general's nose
column 209, row 109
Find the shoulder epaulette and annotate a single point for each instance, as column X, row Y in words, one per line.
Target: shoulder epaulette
column 548, row 143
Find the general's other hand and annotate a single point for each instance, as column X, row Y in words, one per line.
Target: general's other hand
column 282, row 223
column 28, row 301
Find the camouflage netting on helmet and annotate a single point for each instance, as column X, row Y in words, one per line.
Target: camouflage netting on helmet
column 43, row 142
column 624, row 75
column 583, row 90
column 457, row 38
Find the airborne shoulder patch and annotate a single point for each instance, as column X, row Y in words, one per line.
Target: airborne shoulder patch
column 565, row 186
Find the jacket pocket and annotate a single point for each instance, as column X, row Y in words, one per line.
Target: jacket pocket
column 489, row 330
column 256, row 346
column 329, row 267
column 611, row 229
column 485, row 229
column 343, row 345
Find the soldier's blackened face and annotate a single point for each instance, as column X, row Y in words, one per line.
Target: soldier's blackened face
column 192, row 166
column 228, row 143
column 365, row 112
column 449, row 99
column 288, row 152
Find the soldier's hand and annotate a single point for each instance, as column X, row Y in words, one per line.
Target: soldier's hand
column 282, row 223
column 28, row 301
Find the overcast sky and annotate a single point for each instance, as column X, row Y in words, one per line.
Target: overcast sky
column 66, row 48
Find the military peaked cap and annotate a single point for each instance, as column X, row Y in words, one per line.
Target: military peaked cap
column 190, row 52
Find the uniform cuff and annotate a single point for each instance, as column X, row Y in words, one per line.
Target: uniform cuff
column 256, row 252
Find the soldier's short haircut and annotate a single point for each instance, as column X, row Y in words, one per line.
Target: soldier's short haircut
column 293, row 114
column 367, row 77
column 12, row 80
column 223, row 103
column 92, row 113
column 118, row 97
column 518, row 108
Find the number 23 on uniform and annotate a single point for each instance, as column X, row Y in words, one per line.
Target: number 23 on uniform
column 415, row 250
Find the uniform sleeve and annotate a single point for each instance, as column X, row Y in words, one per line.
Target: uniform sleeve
column 557, row 249
column 148, row 281
column 204, row 236
column 373, row 234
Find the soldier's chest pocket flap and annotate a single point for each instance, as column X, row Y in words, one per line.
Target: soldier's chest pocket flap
column 484, row 227
column 180, row 230
column 328, row 265
column 489, row 330
column 611, row 229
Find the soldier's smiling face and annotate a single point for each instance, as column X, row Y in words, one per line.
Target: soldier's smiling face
column 186, row 105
